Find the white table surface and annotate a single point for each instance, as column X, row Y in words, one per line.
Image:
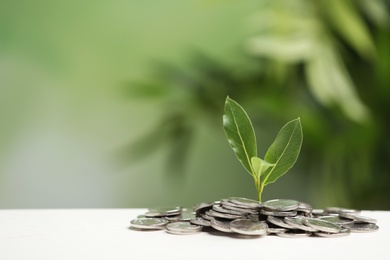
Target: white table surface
column 105, row 234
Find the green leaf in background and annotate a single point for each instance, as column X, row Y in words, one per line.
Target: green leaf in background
column 284, row 151
column 239, row 132
column 354, row 29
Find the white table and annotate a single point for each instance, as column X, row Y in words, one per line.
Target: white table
column 105, row 234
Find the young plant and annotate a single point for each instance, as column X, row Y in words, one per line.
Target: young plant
column 281, row 155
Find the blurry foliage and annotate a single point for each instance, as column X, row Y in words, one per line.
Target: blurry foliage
column 326, row 61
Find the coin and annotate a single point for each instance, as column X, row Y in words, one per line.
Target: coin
column 281, row 204
column 297, row 223
column 207, row 216
column 217, row 214
column 242, row 210
column 318, row 212
column 291, row 213
column 363, row 227
column 201, row 208
column 149, row 223
column 274, row 230
column 183, row 216
column 235, row 206
column 226, row 202
column 293, row 233
column 244, row 202
column 358, row 218
column 173, row 232
column 321, row 225
column 337, row 220
column 304, row 207
column 162, row 212
column 220, row 209
column 278, row 222
column 248, row 227
column 183, row 228
column 220, row 225
column 343, row 232
column 338, row 210
column 254, row 217
column 201, row 222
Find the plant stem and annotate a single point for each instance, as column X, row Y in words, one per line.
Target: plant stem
column 259, row 187
column 260, row 191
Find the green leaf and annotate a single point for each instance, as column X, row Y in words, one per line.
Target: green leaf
column 239, row 132
column 284, row 150
column 260, row 166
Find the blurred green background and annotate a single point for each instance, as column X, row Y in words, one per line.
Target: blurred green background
column 120, row 103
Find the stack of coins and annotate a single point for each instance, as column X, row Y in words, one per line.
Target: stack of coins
column 246, row 217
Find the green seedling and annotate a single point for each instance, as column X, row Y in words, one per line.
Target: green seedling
column 281, row 155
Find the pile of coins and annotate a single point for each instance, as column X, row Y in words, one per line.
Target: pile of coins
column 246, row 217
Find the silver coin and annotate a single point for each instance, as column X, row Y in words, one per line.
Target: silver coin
column 281, row 204
column 202, row 207
column 343, row 232
column 304, row 207
column 274, row 230
column 291, row 213
column 304, row 214
column 338, row 210
column 149, row 223
column 318, row 212
column 182, row 232
column 163, row 211
column 184, row 216
column 217, row 214
column 207, row 216
column 242, row 210
column 244, row 202
column 201, row 222
column 220, row 209
column 297, row 223
column 293, row 233
column 363, row 227
column 220, row 225
column 183, row 227
column 249, row 227
column 278, row 222
column 337, row 220
column 358, row 218
column 226, row 203
column 321, row 225
column 254, row 217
